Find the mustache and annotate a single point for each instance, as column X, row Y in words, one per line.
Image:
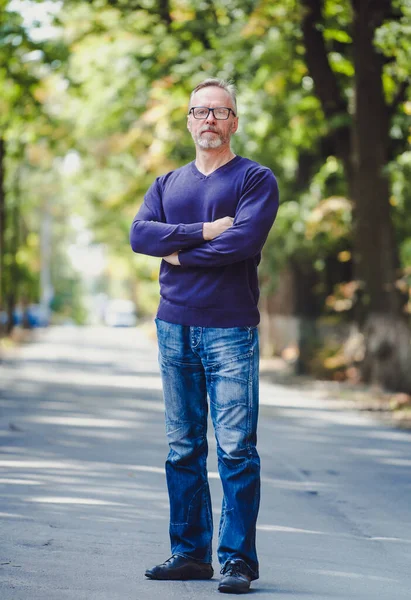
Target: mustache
column 213, row 129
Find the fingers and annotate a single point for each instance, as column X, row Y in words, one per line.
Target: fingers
column 217, row 227
column 227, row 222
column 224, row 222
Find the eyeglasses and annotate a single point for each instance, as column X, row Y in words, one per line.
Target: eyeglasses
column 221, row 113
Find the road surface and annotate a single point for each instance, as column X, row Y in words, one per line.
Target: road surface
column 83, row 504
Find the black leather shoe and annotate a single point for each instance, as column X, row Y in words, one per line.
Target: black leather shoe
column 235, row 578
column 180, row 568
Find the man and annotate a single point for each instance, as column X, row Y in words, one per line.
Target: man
column 208, row 221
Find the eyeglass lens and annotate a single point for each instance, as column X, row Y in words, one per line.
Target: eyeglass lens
column 202, row 112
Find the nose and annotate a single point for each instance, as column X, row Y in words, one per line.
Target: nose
column 211, row 118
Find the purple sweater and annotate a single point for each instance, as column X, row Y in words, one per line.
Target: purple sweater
column 216, row 284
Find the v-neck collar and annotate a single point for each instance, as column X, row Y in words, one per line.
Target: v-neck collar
column 223, row 167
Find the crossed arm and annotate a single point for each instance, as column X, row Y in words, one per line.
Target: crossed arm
column 222, row 242
column 210, row 232
column 156, row 238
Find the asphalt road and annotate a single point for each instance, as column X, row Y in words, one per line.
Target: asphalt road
column 83, row 504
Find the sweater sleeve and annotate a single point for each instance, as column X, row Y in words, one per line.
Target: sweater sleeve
column 255, row 215
column 151, row 234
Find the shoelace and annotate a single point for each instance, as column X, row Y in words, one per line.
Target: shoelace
column 232, row 568
column 169, row 559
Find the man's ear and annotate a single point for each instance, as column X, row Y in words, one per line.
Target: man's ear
column 235, row 125
column 188, row 124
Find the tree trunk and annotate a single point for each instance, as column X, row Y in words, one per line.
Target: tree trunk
column 2, row 221
column 12, row 294
column 305, row 278
column 2, row 231
column 387, row 338
column 387, row 352
column 376, row 257
column 364, row 152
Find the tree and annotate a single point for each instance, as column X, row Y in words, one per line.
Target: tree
column 361, row 139
column 321, row 89
column 24, row 64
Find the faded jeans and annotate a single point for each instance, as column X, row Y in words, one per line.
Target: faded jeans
column 223, row 364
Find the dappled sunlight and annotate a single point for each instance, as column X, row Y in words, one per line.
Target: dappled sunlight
column 349, row 575
column 75, row 364
column 311, row 437
column 287, row 484
column 280, row 528
column 124, row 413
column 347, row 536
column 131, row 490
column 4, row 481
column 45, row 464
column 120, row 488
column 93, row 469
column 339, row 418
column 121, row 491
column 16, row 450
column 145, row 469
column 304, row 485
column 395, row 436
column 74, row 500
column 27, row 386
column 373, row 451
column 78, row 443
column 58, row 405
column 398, row 462
column 93, row 480
column 84, row 422
column 391, row 539
column 281, row 396
column 95, row 434
column 146, row 405
column 89, row 379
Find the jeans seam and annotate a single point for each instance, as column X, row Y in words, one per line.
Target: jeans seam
column 201, row 489
column 250, row 403
column 172, row 361
column 221, row 532
column 230, row 360
column 195, row 345
column 209, row 514
column 209, row 519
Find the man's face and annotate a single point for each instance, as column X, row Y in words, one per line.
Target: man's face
column 212, row 133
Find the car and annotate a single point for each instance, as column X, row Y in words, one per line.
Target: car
column 31, row 316
column 120, row 313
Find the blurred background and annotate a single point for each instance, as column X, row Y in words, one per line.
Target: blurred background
column 93, row 102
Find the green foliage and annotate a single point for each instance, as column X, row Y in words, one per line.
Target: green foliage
column 32, row 138
column 111, row 90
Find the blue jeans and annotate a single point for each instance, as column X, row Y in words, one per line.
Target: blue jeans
column 223, row 364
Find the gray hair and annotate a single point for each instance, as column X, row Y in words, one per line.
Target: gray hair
column 227, row 86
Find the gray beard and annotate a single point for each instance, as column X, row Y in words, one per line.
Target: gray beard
column 207, row 143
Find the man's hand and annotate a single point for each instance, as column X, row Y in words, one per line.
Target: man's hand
column 213, row 229
column 172, row 259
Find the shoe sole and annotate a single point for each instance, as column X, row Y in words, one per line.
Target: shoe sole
column 180, row 577
column 228, row 589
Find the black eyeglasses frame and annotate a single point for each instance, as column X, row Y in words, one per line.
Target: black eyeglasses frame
column 211, row 110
